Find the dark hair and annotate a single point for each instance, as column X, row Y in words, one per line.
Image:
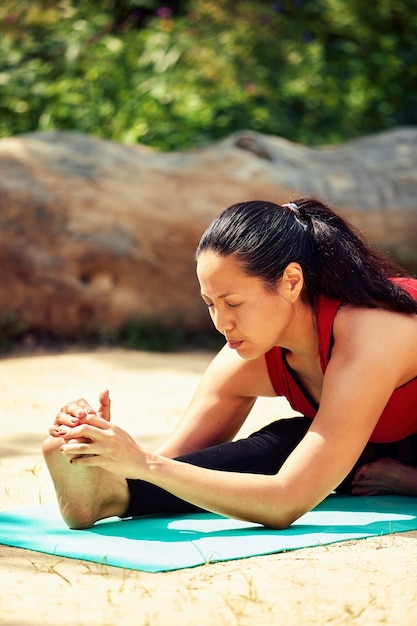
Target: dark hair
column 336, row 261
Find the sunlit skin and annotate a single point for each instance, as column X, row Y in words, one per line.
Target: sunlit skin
column 252, row 316
column 89, row 457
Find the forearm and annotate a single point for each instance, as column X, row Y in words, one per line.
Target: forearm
column 252, row 497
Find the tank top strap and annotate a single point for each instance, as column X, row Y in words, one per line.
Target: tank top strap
column 325, row 311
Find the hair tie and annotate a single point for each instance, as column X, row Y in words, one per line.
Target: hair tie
column 293, row 207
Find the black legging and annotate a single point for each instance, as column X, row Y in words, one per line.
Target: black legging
column 263, row 452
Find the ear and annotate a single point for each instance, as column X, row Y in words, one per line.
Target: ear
column 293, row 281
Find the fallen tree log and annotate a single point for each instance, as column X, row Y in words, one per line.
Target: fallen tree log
column 94, row 233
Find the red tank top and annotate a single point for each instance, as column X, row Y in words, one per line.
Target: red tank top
column 398, row 419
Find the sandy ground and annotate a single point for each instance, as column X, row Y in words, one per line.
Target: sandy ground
column 365, row 582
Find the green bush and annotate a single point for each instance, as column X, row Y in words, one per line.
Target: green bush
column 11, row 330
column 314, row 71
column 155, row 337
column 151, row 336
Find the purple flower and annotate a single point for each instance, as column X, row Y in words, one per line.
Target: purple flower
column 307, row 37
column 164, row 13
column 135, row 14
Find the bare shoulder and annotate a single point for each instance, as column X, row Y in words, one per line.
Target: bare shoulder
column 379, row 334
column 229, row 373
column 351, row 318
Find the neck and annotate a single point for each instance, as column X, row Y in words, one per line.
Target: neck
column 303, row 337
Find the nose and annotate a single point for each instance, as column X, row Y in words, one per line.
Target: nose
column 222, row 321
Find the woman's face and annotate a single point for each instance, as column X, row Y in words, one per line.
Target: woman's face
column 253, row 318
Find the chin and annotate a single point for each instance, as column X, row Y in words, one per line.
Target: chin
column 249, row 354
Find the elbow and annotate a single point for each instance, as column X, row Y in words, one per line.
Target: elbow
column 281, row 520
column 278, row 525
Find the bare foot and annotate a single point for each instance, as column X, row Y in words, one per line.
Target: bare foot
column 385, row 476
column 85, row 494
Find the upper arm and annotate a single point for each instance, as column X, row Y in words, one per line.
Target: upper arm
column 224, row 397
column 371, row 356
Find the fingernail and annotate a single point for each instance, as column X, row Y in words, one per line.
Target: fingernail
column 63, row 430
column 74, row 420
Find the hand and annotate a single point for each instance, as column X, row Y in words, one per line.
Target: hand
column 72, row 413
column 97, row 442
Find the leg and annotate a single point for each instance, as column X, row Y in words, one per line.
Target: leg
column 262, row 452
column 85, row 494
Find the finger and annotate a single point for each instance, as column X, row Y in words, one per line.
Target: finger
column 105, row 402
column 65, row 419
column 77, row 440
column 77, row 408
column 54, row 431
column 83, row 431
column 95, row 420
column 75, row 448
column 58, row 430
column 92, row 460
column 92, row 432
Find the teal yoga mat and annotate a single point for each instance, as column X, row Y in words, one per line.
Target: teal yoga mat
column 157, row 544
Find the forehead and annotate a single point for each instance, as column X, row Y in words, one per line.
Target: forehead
column 222, row 274
column 211, row 263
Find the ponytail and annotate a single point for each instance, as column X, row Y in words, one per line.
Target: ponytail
column 347, row 268
column 336, row 261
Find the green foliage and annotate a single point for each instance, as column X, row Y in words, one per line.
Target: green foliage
column 11, row 330
column 151, row 336
column 314, row 71
column 155, row 337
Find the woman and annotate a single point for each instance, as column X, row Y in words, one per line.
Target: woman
column 308, row 311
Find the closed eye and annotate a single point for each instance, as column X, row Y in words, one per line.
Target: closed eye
column 228, row 304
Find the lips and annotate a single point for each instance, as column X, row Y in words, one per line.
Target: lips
column 234, row 344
